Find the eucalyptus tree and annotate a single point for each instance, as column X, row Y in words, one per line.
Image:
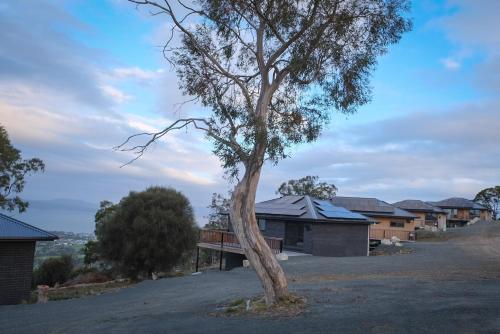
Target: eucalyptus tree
column 308, row 185
column 13, row 169
column 272, row 72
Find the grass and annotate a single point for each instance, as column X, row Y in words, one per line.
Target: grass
column 256, row 306
column 81, row 290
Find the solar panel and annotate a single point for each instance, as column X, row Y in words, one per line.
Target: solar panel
column 328, row 210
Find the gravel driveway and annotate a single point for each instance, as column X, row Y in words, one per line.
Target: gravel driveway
column 442, row 287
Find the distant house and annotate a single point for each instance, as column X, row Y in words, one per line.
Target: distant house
column 459, row 211
column 427, row 214
column 389, row 220
column 17, row 250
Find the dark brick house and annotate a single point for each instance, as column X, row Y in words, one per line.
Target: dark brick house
column 314, row 226
column 17, row 249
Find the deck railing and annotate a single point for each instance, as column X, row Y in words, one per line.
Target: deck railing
column 225, row 239
column 379, row 234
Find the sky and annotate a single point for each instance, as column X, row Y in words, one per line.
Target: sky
column 78, row 77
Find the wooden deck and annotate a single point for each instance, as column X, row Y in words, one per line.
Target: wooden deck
column 227, row 242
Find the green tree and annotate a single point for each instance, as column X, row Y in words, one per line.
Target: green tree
column 219, row 209
column 54, row 270
column 272, row 72
column 308, row 185
column 147, row 231
column 90, row 253
column 13, row 169
column 490, row 198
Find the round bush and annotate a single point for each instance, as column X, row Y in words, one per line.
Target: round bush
column 147, row 231
column 54, row 270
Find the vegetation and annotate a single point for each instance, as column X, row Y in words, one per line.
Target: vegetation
column 272, row 73
column 308, row 185
column 90, row 253
column 13, row 169
column 490, row 198
column 219, row 209
column 54, row 270
column 146, row 232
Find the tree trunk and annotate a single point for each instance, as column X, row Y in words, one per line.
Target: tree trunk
column 244, row 222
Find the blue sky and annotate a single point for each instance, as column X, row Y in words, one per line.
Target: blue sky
column 83, row 75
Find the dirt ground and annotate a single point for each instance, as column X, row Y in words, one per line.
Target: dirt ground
column 450, row 286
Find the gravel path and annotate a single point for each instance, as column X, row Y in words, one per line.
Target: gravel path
column 442, row 287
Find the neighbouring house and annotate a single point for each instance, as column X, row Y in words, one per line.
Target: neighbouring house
column 459, row 211
column 17, row 250
column 300, row 224
column 427, row 215
column 390, row 221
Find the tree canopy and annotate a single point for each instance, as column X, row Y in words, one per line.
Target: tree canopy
column 308, row 185
column 219, row 210
column 490, row 198
column 146, row 232
column 13, row 169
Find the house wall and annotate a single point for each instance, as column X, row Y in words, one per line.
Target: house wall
column 327, row 239
column 339, row 239
column 384, row 230
column 485, row 215
column 16, row 270
column 420, row 220
column 441, row 221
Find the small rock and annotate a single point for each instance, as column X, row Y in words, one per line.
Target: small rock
column 386, row 242
column 154, row 276
column 281, row 257
column 395, row 239
column 398, row 244
column 246, row 264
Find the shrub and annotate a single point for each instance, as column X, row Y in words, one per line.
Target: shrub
column 54, row 270
column 146, row 232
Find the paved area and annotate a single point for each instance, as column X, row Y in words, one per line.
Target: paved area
column 442, row 287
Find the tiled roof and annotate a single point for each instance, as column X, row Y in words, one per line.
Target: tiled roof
column 417, row 205
column 457, row 202
column 370, row 207
column 13, row 229
column 306, row 207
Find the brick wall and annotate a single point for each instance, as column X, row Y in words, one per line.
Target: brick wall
column 16, row 270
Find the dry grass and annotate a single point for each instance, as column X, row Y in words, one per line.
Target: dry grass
column 256, row 306
column 80, row 290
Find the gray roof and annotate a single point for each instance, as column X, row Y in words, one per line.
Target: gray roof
column 307, row 208
column 417, row 205
column 458, row 202
column 13, row 229
column 371, row 207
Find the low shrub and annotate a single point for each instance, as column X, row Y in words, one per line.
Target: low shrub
column 53, row 270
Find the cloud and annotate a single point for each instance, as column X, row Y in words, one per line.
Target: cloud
column 450, row 63
column 117, row 95
column 36, row 50
column 136, row 73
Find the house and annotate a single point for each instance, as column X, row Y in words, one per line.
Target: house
column 459, row 211
column 300, row 224
column 17, row 250
column 314, row 226
column 389, row 220
column 427, row 214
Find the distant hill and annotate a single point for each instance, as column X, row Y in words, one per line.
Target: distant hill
column 60, row 215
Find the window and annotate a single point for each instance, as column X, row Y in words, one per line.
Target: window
column 262, row 224
column 398, row 224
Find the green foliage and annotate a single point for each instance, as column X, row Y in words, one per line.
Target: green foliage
column 490, row 198
column 147, row 231
column 13, row 169
column 219, row 209
column 90, row 253
column 274, row 72
column 54, row 270
column 308, row 185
